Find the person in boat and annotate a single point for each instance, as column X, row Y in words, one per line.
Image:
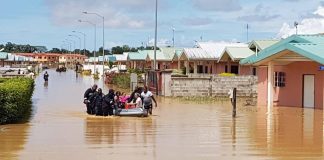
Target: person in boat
column 89, row 98
column 147, row 97
column 108, row 103
column 123, row 100
column 117, row 102
column 98, row 99
column 138, row 90
column 46, row 75
column 138, row 102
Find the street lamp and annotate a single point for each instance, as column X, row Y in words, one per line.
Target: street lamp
column 72, row 35
column 155, row 39
column 70, row 40
column 95, row 39
column 84, row 40
column 69, row 45
column 173, row 30
column 103, row 37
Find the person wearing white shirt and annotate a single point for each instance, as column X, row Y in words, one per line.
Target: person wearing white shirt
column 147, row 100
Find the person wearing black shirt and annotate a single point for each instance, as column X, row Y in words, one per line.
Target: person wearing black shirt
column 89, row 99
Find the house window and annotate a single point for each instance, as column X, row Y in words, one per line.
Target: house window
column 280, row 79
column 200, row 69
column 206, row 69
column 235, row 69
column 226, row 69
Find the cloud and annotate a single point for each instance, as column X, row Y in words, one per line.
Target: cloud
column 257, row 18
column 196, row 21
column 118, row 14
column 217, row 5
column 306, row 26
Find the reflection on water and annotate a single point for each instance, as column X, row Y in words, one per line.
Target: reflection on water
column 177, row 130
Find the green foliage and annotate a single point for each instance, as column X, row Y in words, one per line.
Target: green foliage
column 16, row 48
column 136, row 70
column 15, row 99
column 121, row 80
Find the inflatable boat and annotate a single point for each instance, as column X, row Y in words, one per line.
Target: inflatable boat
column 135, row 112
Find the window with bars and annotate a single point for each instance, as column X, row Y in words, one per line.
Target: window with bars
column 280, row 79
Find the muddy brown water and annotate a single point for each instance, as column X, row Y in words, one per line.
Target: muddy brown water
column 60, row 129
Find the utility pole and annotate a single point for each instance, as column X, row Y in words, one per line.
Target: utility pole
column 155, row 39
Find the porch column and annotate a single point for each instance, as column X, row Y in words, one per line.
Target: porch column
column 195, row 67
column 187, row 67
column 270, row 86
column 229, row 66
column 135, row 64
column 179, row 64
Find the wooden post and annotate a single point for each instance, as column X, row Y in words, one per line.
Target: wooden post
column 234, row 103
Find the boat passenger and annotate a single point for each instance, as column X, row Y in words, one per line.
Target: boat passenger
column 139, row 103
column 116, row 102
column 89, row 97
column 131, row 98
column 147, row 100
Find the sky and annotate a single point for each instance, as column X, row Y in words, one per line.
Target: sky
column 131, row 22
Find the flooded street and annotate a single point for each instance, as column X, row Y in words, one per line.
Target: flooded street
column 60, row 129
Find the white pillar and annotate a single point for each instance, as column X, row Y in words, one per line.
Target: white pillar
column 187, row 67
column 270, row 86
column 195, row 67
column 179, row 64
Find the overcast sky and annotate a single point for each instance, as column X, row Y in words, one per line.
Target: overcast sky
column 131, row 22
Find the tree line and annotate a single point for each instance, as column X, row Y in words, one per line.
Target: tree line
column 19, row 48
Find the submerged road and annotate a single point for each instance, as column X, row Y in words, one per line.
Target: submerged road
column 60, row 129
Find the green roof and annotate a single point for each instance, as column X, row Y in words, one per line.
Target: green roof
column 309, row 46
column 3, row 55
column 137, row 56
column 237, row 53
column 262, row 44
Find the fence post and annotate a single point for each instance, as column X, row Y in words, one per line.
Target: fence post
column 234, row 103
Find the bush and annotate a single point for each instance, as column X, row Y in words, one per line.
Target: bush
column 121, row 80
column 15, row 99
column 227, row 74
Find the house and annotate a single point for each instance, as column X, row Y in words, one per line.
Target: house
column 137, row 60
column 72, row 59
column 259, row 45
column 3, row 57
column 232, row 56
column 290, row 72
column 171, row 54
column 197, row 60
column 44, row 58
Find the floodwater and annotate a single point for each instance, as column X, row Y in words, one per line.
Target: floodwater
column 60, row 129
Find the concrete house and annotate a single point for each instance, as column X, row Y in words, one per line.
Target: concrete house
column 137, row 60
column 290, row 72
column 232, row 56
column 3, row 57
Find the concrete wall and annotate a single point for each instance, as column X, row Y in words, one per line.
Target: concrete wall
column 292, row 93
column 213, row 86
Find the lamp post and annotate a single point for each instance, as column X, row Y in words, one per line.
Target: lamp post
column 173, row 30
column 72, row 35
column 72, row 41
column 95, row 39
column 84, row 40
column 103, row 37
column 155, row 39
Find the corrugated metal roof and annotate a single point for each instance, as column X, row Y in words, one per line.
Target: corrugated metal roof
column 237, row 53
column 3, row 55
column 110, row 58
column 197, row 54
column 121, row 57
column 216, row 48
column 262, row 44
column 136, row 56
column 309, row 46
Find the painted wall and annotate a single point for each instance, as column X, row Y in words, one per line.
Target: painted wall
column 292, row 93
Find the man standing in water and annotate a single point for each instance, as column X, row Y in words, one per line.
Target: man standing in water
column 46, row 75
column 89, row 97
column 147, row 100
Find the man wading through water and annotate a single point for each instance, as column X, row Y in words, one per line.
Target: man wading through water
column 147, row 100
column 89, row 99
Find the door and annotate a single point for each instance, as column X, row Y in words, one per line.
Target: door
column 309, row 91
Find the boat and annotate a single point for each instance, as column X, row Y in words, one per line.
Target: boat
column 133, row 112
